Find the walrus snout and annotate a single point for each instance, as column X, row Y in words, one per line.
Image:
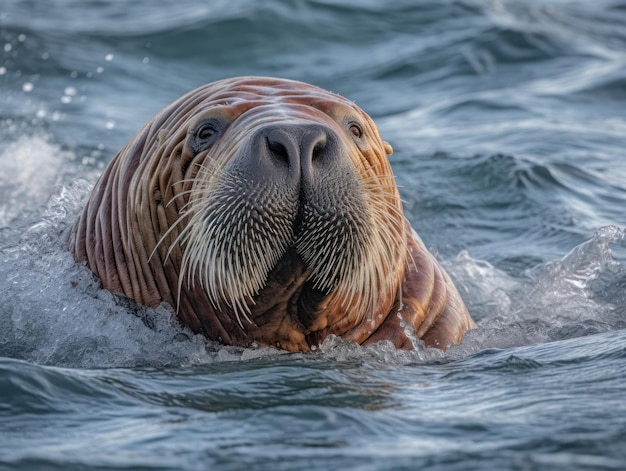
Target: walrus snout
column 299, row 146
column 293, row 153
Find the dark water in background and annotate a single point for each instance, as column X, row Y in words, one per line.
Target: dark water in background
column 508, row 120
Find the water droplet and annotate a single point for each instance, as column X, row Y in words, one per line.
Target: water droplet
column 146, row 60
column 109, row 57
column 70, row 91
column 27, row 87
column 99, row 70
column 110, row 124
column 21, row 38
column 45, row 56
column 3, row 70
column 8, row 47
column 41, row 113
column 66, row 99
column 74, row 74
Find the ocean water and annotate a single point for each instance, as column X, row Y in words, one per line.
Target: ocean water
column 508, row 121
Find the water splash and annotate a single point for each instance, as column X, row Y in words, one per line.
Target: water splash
column 580, row 294
column 29, row 170
column 55, row 313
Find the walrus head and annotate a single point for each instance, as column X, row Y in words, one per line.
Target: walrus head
column 264, row 210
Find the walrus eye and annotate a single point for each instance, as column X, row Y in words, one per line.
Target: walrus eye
column 205, row 134
column 356, row 130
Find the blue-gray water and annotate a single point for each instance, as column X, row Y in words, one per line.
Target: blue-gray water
column 508, row 120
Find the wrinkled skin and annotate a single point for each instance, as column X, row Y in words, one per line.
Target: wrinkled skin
column 265, row 212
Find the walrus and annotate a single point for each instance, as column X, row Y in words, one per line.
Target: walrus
column 265, row 212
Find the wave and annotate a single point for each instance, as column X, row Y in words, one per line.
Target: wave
column 513, row 211
column 578, row 295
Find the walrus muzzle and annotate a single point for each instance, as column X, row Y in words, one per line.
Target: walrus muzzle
column 288, row 186
column 265, row 212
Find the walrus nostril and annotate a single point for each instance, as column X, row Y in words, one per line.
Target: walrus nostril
column 319, row 150
column 278, row 150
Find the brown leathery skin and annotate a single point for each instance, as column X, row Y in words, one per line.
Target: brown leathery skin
column 132, row 231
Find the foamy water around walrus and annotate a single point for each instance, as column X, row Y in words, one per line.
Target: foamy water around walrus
column 509, row 131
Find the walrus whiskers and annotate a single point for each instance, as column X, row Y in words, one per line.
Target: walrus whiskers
column 375, row 276
column 231, row 260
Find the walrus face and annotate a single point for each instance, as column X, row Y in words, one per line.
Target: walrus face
column 288, row 183
column 265, row 211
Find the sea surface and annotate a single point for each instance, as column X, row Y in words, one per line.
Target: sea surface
column 508, row 120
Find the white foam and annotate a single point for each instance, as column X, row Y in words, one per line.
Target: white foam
column 578, row 295
column 29, row 169
column 55, row 313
